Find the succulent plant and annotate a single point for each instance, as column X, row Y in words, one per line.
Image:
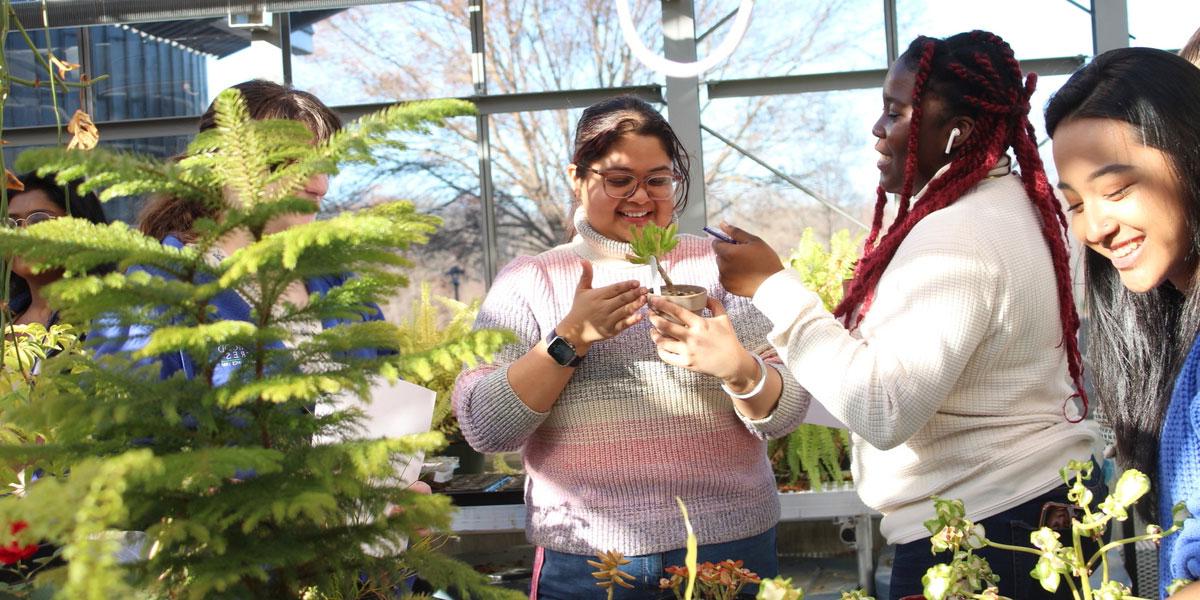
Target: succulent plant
column 652, row 240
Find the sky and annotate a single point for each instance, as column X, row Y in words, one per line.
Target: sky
column 1034, row 28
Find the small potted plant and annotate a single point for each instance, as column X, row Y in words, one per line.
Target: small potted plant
column 650, row 243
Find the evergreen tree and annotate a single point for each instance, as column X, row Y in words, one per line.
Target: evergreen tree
column 240, row 489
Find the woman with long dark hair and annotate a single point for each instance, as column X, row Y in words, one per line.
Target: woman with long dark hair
column 1126, row 131
column 952, row 357
column 42, row 200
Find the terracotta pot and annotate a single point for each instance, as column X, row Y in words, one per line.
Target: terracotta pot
column 914, row 597
column 691, row 297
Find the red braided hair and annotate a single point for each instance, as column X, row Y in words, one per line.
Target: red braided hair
column 963, row 65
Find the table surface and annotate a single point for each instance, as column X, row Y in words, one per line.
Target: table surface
column 794, row 506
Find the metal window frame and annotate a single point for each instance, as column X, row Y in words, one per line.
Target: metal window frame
column 1110, row 29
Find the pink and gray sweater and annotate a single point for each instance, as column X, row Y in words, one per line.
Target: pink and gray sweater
column 629, row 432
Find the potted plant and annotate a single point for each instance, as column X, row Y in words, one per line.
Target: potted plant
column 814, row 456
column 650, row 244
column 227, row 485
column 705, row 581
column 1059, row 561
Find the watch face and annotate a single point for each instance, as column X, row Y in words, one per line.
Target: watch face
column 561, row 351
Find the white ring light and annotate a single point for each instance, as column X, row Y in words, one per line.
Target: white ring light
column 672, row 68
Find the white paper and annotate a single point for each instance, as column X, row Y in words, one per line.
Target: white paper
column 396, row 409
column 399, row 409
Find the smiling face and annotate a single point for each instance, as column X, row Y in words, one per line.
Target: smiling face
column 1125, row 202
column 892, row 130
column 20, row 206
column 632, row 156
column 314, row 189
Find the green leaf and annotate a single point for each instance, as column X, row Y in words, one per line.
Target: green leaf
column 196, row 339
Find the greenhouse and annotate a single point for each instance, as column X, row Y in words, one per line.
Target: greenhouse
column 611, row 299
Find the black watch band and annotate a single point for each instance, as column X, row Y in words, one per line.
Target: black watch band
column 562, row 351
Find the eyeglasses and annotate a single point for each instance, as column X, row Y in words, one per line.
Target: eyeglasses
column 32, row 218
column 620, row 185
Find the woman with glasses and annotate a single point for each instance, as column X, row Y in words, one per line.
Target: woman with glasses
column 41, row 200
column 610, row 426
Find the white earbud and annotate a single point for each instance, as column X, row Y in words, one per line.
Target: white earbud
column 950, row 142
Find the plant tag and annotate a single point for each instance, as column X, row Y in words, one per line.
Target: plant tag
column 654, row 276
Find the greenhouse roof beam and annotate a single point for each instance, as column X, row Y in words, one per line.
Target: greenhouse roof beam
column 82, row 13
column 854, row 80
column 506, row 103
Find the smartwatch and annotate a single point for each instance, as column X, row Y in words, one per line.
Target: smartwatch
column 562, row 351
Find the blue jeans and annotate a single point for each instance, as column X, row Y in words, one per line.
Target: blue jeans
column 560, row 576
column 1011, row 527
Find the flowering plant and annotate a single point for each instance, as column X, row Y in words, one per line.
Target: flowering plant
column 608, row 571
column 969, row 576
column 14, row 552
column 719, row 581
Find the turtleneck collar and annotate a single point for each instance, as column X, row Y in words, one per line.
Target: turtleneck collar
column 593, row 245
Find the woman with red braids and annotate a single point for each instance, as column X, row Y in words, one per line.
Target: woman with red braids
column 953, row 357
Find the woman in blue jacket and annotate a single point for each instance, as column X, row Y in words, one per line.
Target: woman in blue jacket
column 172, row 220
column 1126, row 131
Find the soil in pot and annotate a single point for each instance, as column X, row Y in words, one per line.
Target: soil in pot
column 691, row 297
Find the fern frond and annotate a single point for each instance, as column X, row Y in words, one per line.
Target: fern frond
column 78, row 245
column 115, row 174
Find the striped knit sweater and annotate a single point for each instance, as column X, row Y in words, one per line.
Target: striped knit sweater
column 629, row 432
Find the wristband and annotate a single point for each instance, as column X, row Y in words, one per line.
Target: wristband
column 762, row 380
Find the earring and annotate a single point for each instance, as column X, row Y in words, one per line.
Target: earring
column 950, row 142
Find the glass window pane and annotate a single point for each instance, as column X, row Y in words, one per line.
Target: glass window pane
column 336, row 54
column 797, row 37
column 822, row 140
column 29, row 106
column 155, row 69
column 1162, row 24
column 535, row 46
column 1034, row 28
column 530, row 153
column 149, row 70
column 439, row 173
column 1046, row 88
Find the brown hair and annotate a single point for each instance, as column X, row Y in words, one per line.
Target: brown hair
column 169, row 215
column 604, row 123
column 1191, row 50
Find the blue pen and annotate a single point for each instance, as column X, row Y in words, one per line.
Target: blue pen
column 717, row 234
column 499, row 483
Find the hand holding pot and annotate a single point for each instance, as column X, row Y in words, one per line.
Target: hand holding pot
column 709, row 346
column 600, row 313
column 746, row 264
